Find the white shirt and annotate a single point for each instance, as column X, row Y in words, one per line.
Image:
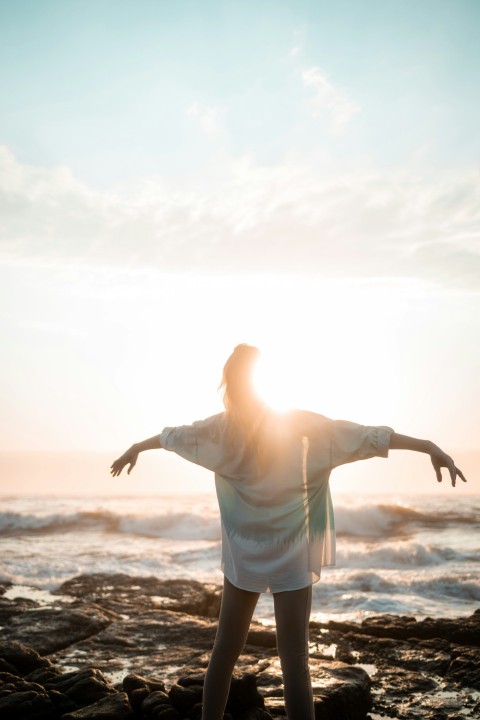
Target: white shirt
column 277, row 523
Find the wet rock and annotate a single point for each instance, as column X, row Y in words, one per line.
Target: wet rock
column 83, row 687
column 133, row 682
column 21, row 658
column 27, row 705
column 157, row 703
column 465, row 667
column 115, row 707
column 255, row 714
column 184, row 698
column 465, row 631
column 47, row 629
column 244, row 695
column 125, row 594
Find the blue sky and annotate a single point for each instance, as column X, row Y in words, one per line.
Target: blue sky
column 104, row 87
column 177, row 177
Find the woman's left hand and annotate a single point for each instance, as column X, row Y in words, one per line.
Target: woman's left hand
column 441, row 459
column 128, row 458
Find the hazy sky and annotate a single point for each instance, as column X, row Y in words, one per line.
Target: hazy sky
column 178, row 177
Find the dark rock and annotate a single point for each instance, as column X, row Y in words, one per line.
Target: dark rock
column 133, row 682
column 137, row 696
column 262, row 638
column 166, row 713
column 114, row 707
column 83, row 687
column 123, row 593
column 20, row 657
column 62, row 703
column 154, row 701
column 244, row 695
column 48, row 629
column 465, row 631
column 192, row 679
column 29, row 705
column 184, row 698
column 255, row 714
column 465, row 668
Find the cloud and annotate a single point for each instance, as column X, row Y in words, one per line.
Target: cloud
column 328, row 101
column 284, row 218
column 208, row 117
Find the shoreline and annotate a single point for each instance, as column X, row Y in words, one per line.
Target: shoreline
column 396, row 666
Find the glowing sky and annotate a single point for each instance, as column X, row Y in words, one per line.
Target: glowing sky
column 178, row 177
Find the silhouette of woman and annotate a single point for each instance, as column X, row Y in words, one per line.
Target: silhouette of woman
column 271, row 474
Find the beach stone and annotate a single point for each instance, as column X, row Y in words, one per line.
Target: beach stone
column 114, row 707
column 156, row 703
column 27, row 705
column 133, row 682
column 83, row 687
column 465, row 668
column 465, row 631
column 123, row 593
column 244, row 695
column 20, row 657
column 49, row 629
column 137, row 696
column 184, row 698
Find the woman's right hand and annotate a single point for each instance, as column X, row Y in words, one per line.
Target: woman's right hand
column 128, row 458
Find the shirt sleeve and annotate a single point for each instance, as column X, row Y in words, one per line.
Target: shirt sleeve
column 200, row 442
column 350, row 442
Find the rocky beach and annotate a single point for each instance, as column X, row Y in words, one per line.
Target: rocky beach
column 114, row 647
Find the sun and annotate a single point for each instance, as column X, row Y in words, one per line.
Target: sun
column 276, row 382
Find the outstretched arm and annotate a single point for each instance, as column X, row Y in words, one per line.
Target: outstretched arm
column 130, row 456
column 437, row 456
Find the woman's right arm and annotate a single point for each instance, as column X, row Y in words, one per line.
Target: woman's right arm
column 437, row 456
column 130, row 456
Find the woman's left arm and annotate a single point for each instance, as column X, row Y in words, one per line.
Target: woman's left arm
column 438, row 457
column 130, row 456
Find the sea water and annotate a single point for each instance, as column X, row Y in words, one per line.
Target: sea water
column 413, row 556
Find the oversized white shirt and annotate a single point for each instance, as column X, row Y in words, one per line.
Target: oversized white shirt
column 276, row 518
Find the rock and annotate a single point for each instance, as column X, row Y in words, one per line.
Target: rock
column 255, row 714
column 83, row 687
column 47, row 629
column 184, row 698
column 157, row 704
column 114, row 707
column 28, row 705
column 244, row 695
column 124, row 594
column 137, row 696
column 465, row 631
column 133, row 682
column 465, row 668
column 21, row 658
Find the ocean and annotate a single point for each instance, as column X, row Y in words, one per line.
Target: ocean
column 411, row 556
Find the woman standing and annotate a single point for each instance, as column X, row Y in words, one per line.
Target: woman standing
column 272, row 480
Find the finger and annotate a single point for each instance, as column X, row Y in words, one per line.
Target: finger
column 459, row 472
column 438, row 473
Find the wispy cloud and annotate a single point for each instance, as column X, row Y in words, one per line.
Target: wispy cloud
column 285, row 218
column 328, row 101
column 208, row 117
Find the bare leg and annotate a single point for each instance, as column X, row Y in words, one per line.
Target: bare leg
column 292, row 614
column 235, row 617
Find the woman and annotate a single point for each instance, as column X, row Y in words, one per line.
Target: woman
column 271, row 475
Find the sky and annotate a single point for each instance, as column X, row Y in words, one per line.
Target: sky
column 180, row 177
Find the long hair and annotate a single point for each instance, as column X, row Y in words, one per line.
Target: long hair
column 245, row 411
